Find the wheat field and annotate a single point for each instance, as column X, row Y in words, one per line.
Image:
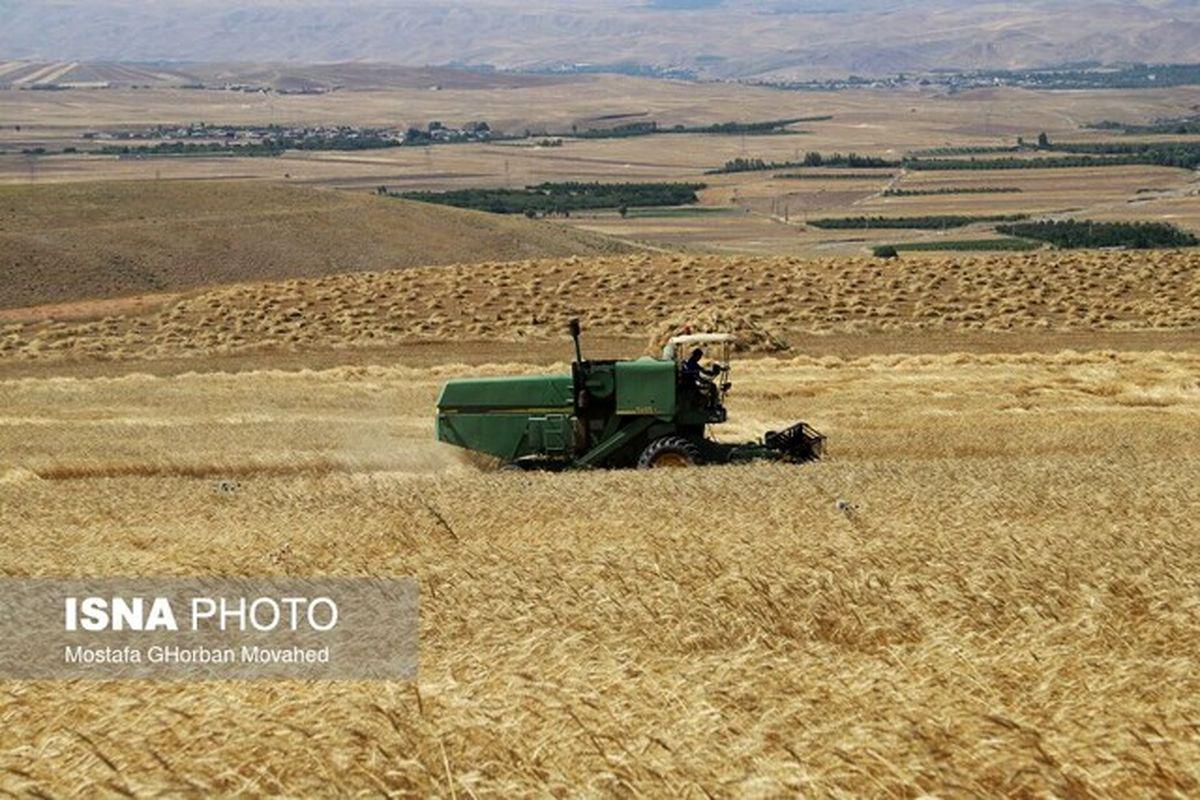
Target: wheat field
column 1003, row 603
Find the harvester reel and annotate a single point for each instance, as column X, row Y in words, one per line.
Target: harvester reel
column 669, row 451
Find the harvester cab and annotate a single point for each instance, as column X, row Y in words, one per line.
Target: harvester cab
column 645, row 412
column 711, row 381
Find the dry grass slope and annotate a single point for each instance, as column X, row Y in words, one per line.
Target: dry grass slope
column 633, row 295
column 74, row 242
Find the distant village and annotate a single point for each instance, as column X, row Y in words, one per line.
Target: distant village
column 298, row 136
column 1080, row 76
column 252, row 88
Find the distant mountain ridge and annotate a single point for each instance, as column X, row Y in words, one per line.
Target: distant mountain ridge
column 753, row 38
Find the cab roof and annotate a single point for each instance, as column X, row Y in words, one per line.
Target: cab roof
column 693, row 339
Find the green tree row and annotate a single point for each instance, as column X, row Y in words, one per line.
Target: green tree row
column 1077, row 234
column 835, row 176
column 268, row 146
column 562, row 198
column 1006, row 244
column 952, row 190
column 193, row 149
column 966, row 150
column 765, row 127
column 852, row 160
column 1184, row 155
column 914, row 223
column 983, row 164
column 1163, row 154
column 1175, row 125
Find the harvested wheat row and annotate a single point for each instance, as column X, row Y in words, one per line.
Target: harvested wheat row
column 765, row 298
column 752, row 336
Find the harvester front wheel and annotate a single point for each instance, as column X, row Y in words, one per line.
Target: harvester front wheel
column 669, row 451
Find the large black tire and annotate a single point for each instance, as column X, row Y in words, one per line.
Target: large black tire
column 669, row 451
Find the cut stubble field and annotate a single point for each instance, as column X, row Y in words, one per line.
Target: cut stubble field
column 1005, row 603
column 627, row 297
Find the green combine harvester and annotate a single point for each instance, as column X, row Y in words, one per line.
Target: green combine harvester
column 647, row 412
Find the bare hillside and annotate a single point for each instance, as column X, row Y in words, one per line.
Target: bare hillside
column 713, row 38
column 99, row 240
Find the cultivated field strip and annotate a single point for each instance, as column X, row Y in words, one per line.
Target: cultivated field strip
column 1005, row 604
column 629, row 296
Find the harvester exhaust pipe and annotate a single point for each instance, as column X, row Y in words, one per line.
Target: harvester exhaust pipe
column 573, row 326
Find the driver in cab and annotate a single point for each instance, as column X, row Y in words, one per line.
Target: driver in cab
column 695, row 374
